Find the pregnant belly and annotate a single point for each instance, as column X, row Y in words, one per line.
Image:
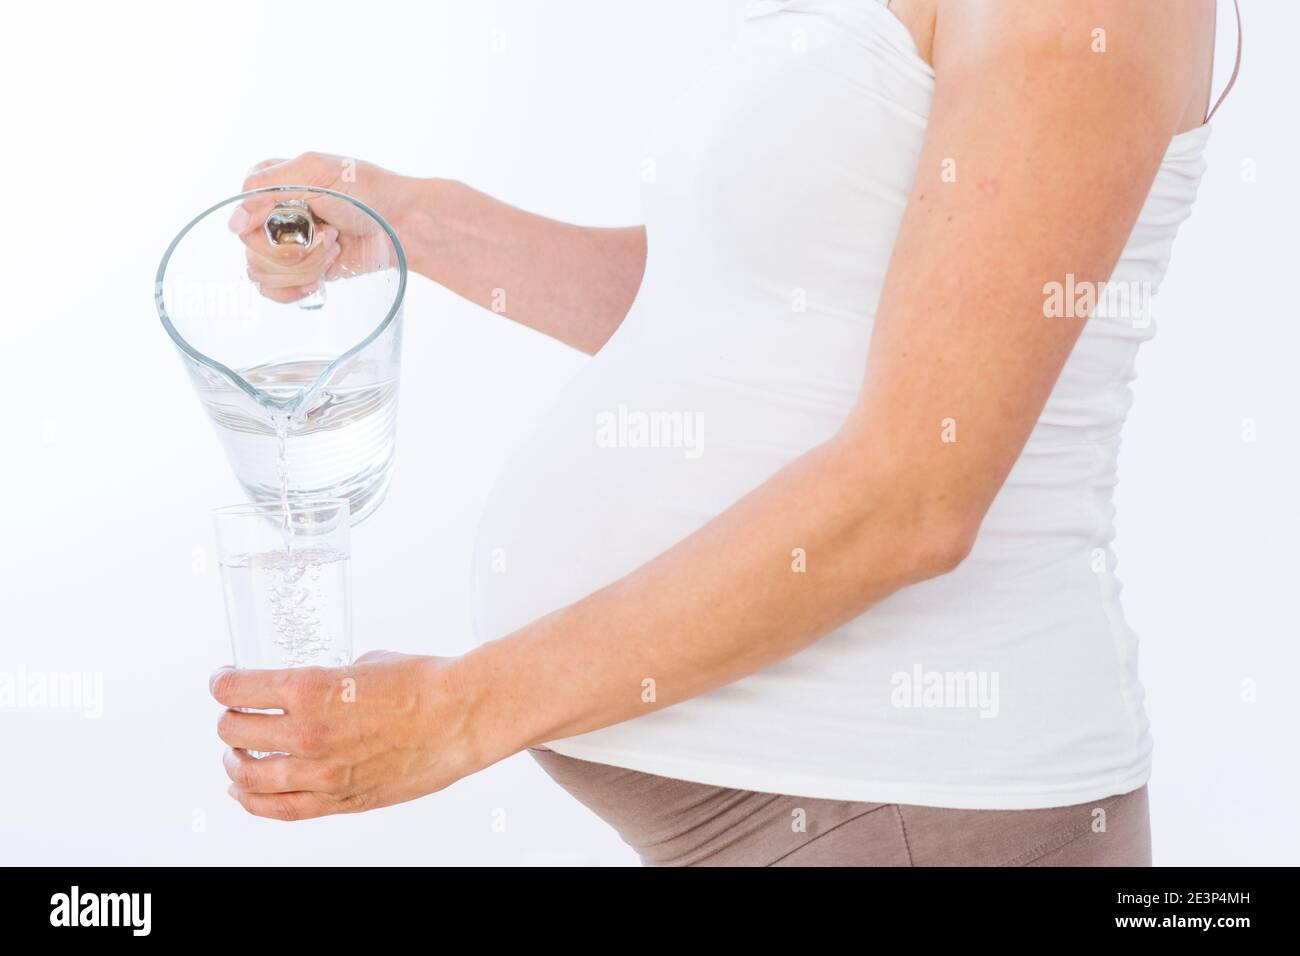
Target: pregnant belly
column 637, row 453
column 599, row 489
column 628, row 461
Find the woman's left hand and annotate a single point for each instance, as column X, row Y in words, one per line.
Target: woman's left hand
column 390, row 728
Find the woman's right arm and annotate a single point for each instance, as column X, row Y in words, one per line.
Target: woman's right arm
column 573, row 283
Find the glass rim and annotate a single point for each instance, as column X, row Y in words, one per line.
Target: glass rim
column 259, row 509
column 180, row 341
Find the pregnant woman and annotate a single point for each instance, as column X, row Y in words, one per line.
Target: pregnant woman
column 810, row 564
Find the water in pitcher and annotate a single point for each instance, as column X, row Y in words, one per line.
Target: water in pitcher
column 339, row 444
column 257, row 363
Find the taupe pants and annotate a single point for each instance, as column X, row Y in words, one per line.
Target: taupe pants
column 676, row 823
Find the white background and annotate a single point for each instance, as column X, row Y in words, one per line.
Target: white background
column 121, row 123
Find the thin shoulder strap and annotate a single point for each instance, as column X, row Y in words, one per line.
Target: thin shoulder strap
column 1236, row 67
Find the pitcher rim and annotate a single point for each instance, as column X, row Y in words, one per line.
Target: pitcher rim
column 182, row 344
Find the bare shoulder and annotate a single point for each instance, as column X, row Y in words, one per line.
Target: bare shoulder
column 1165, row 49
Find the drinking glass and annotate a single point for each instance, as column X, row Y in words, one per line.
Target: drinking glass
column 285, row 574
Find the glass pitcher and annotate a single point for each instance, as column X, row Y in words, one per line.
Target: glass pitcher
column 300, row 382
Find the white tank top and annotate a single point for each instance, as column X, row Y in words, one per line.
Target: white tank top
column 773, row 197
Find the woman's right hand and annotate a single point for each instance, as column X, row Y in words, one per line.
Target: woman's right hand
column 347, row 241
column 573, row 283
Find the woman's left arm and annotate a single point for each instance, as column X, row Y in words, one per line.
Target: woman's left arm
column 1054, row 148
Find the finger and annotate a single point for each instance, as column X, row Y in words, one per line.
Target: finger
column 291, row 294
column 268, row 277
column 278, row 773
column 308, row 169
column 278, row 272
column 305, row 169
column 250, row 212
column 241, row 217
column 248, row 216
column 289, row 255
column 261, row 165
column 382, row 657
column 267, row 733
column 263, row 689
column 363, row 254
column 303, row 805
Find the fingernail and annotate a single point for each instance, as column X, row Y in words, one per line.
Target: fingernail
column 332, row 254
column 230, row 792
column 214, row 677
column 239, row 220
column 311, row 289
